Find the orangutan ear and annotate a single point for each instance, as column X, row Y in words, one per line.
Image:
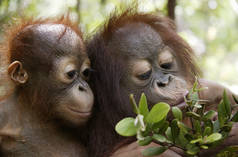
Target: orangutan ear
column 17, row 73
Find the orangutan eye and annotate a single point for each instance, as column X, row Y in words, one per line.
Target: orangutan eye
column 87, row 72
column 71, row 74
column 166, row 66
column 145, row 76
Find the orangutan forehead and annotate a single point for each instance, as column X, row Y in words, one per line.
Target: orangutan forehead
column 138, row 40
column 58, row 32
column 58, row 36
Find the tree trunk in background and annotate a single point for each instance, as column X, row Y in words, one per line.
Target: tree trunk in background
column 78, row 10
column 103, row 2
column 171, row 8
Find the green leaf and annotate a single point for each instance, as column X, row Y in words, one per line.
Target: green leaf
column 235, row 99
column 207, row 131
column 152, row 151
column 216, row 126
column 213, row 137
column 193, row 115
column 164, row 127
column 168, row 133
column 126, row 127
column 235, row 117
column 221, row 113
column 174, row 129
column 158, row 113
column 196, row 140
column 195, row 85
column 159, row 138
column 204, row 147
column 146, row 141
column 177, row 113
column 227, row 104
column 134, row 105
column 183, row 127
column 143, row 107
column 209, row 115
column 188, row 137
column 158, row 125
column 192, row 149
column 198, row 105
column 197, row 126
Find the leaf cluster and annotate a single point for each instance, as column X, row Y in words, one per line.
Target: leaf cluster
column 207, row 129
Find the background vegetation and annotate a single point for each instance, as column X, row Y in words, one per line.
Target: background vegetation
column 210, row 26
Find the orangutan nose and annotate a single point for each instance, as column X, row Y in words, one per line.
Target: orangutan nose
column 82, row 88
column 162, row 82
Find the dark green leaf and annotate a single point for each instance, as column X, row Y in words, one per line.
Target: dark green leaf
column 235, row 99
column 181, row 140
column 227, row 104
column 235, row 117
column 164, row 127
column 227, row 127
column 221, row 113
column 216, row 126
column 207, row 131
column 197, row 127
column 126, row 127
column 158, row 113
column 152, row 151
column 143, row 107
column 188, row 137
column 169, row 134
column 209, row 115
column 159, row 138
column 158, row 125
column 174, row 129
column 146, row 141
column 133, row 102
column 208, row 123
column 192, row 149
column 193, row 115
column 177, row 113
column 183, row 127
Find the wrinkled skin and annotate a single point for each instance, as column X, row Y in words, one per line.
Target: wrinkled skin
column 52, row 100
column 152, row 66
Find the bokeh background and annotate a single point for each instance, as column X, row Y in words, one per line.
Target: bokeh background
column 209, row 26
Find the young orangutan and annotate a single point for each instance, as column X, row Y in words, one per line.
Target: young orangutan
column 134, row 53
column 45, row 114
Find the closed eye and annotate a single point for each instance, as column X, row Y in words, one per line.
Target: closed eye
column 145, row 76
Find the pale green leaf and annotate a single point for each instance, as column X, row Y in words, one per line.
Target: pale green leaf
column 177, row 113
column 143, row 107
column 126, row 127
column 158, row 113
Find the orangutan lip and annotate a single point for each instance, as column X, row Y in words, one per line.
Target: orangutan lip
column 179, row 102
column 80, row 113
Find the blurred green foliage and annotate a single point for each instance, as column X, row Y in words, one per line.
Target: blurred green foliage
column 209, row 26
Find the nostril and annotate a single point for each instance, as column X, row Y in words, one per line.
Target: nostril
column 81, row 88
column 161, row 84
